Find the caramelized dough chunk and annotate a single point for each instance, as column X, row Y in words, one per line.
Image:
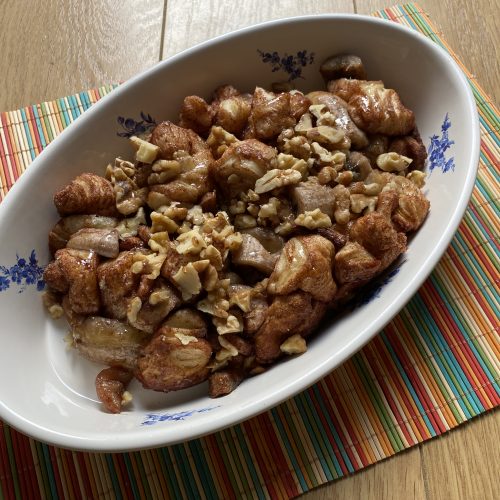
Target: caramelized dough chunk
column 299, row 104
column 254, row 318
column 354, row 264
column 232, row 113
column 343, row 66
column 271, row 113
column 131, row 243
column 338, row 239
column 413, row 206
column 185, row 323
column 378, row 144
column 102, row 241
column 241, row 165
column 294, row 314
column 86, row 194
column 340, row 112
column 65, row 227
column 167, row 364
column 374, row 108
column 412, row 147
column 110, row 385
column 188, row 187
column 162, row 300
column 196, row 114
column 117, row 284
column 191, row 185
column 376, row 233
column 80, row 270
column 223, row 382
column 171, row 138
column 224, row 92
column 108, row 341
column 54, row 277
column 305, row 264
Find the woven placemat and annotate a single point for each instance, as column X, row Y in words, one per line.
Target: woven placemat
column 435, row 366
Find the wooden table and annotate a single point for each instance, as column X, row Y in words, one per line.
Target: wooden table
column 52, row 48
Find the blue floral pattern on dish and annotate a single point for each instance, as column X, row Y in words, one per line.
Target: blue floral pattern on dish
column 135, row 127
column 23, row 273
column 153, row 418
column 438, row 147
column 288, row 63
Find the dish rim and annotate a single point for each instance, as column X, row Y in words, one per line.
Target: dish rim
column 138, row 439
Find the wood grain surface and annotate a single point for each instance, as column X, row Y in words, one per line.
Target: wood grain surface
column 52, row 48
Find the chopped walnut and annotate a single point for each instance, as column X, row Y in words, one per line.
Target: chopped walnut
column 129, row 226
column 393, row 162
column 304, row 124
column 164, row 171
column 237, row 207
column 298, row 145
column 294, row 345
column 290, row 162
column 277, row 178
column 313, row 219
column 327, row 175
column 188, row 280
column 162, row 223
column 342, row 204
column 244, row 221
column 219, row 140
column 344, row 178
column 231, row 324
column 329, row 136
column 417, row 177
column 191, row 242
column 213, row 255
column 360, row 201
column 149, row 265
column 129, row 196
column 145, row 151
column 269, row 209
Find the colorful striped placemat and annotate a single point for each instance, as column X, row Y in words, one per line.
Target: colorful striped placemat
column 435, row 366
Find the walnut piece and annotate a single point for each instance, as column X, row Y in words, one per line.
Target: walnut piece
column 313, row 219
column 294, row 345
column 393, row 162
column 145, row 151
column 277, row 178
